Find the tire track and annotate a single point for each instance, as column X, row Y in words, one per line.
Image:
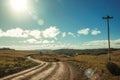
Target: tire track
column 27, row 72
column 28, row 75
column 70, row 75
column 66, row 74
column 23, row 72
column 53, row 72
column 38, row 72
column 47, row 72
column 58, row 74
column 63, row 72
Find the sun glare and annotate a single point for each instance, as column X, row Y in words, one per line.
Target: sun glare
column 19, row 5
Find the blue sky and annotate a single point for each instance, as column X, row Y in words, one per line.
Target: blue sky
column 53, row 24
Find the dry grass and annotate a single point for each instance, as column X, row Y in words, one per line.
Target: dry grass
column 99, row 63
column 12, row 61
column 83, row 62
column 50, row 57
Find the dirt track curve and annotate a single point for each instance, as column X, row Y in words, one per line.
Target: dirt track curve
column 46, row 71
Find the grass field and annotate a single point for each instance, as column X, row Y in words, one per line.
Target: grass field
column 84, row 62
column 100, row 63
column 12, row 61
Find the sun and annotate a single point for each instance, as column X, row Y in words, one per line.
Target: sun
column 19, row 5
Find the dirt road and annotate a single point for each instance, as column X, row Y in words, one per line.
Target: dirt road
column 46, row 71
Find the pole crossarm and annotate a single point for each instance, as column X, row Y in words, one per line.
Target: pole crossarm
column 108, row 17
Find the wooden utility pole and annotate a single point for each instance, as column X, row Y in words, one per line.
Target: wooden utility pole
column 108, row 18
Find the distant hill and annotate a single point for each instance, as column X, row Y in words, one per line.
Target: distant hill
column 72, row 52
column 44, row 50
column 6, row 49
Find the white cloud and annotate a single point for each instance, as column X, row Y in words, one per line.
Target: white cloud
column 31, row 41
column 0, row 31
column 46, row 42
column 17, row 32
column 64, row 34
column 35, row 33
column 51, row 32
column 116, row 42
column 35, row 41
column 58, row 45
column 84, row 31
column 96, row 43
column 95, row 32
column 72, row 34
column 101, row 44
column 52, row 41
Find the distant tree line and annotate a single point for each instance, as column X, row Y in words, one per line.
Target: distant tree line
column 73, row 52
column 6, row 49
